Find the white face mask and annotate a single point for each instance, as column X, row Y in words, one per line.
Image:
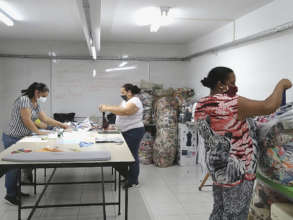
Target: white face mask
column 42, row 99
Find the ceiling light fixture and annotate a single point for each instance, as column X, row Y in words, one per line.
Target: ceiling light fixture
column 5, row 19
column 124, row 63
column 154, row 17
column 94, row 73
column 154, row 27
column 120, row 68
column 146, row 16
column 94, row 52
column 52, row 54
column 11, row 11
column 162, row 20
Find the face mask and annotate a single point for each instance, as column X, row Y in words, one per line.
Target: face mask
column 124, row 97
column 232, row 90
column 42, row 99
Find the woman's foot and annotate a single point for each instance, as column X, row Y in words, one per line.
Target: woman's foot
column 130, row 185
column 14, row 200
column 11, row 200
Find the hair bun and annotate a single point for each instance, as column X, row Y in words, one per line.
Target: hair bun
column 206, row 82
column 136, row 90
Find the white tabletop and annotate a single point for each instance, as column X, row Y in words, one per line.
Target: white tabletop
column 119, row 152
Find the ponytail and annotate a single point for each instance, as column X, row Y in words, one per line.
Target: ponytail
column 133, row 88
column 218, row 74
column 30, row 91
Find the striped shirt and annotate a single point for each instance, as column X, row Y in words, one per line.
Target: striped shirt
column 242, row 155
column 16, row 126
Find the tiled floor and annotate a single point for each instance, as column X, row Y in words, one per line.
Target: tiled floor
column 165, row 194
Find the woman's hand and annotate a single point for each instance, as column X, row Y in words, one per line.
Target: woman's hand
column 64, row 126
column 42, row 133
column 286, row 83
column 103, row 108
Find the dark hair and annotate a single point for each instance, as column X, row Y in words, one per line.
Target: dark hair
column 129, row 87
column 218, row 74
column 30, row 91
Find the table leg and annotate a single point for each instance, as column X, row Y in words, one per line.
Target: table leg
column 19, row 194
column 35, row 181
column 119, row 195
column 103, row 191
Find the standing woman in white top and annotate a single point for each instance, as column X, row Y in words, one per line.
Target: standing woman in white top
column 25, row 111
column 130, row 121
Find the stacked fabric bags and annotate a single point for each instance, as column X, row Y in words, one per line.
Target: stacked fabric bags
column 165, row 146
column 275, row 138
column 146, row 97
column 146, row 149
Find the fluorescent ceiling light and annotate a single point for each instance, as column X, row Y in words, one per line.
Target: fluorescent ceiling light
column 94, row 73
column 147, row 16
column 155, row 17
column 6, row 20
column 52, row 53
column 10, row 11
column 123, row 64
column 155, row 27
column 120, row 68
column 94, row 52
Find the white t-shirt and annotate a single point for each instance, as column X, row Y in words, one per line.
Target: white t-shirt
column 128, row 122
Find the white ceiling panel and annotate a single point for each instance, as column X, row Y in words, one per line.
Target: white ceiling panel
column 59, row 19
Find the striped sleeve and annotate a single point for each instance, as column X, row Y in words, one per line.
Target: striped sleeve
column 24, row 102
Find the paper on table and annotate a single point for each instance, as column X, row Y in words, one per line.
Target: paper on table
column 80, row 136
column 33, row 139
column 52, row 135
column 67, row 141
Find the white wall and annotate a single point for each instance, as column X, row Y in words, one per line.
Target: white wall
column 76, row 48
column 17, row 74
column 271, row 15
column 258, row 65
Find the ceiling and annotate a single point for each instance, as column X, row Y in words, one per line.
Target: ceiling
column 59, row 19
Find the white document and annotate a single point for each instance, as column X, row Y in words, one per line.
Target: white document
column 34, row 139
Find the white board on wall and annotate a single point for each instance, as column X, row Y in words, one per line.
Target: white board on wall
column 74, row 88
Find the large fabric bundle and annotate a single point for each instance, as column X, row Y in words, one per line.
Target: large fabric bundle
column 165, row 146
column 166, row 112
column 146, row 98
column 163, row 92
column 150, row 85
column 183, row 95
column 275, row 137
column 263, row 197
column 146, row 149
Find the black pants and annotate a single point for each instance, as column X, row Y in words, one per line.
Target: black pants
column 133, row 138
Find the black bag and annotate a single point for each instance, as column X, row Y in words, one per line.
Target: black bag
column 64, row 117
column 111, row 118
